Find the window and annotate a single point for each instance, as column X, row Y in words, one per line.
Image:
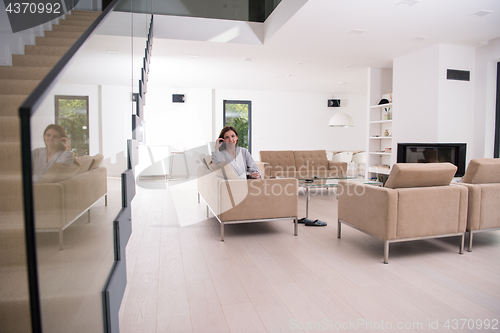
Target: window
column 72, row 113
column 239, row 115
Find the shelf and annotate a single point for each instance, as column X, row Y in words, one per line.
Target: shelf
column 379, row 153
column 380, row 106
column 381, row 121
column 380, row 137
column 379, row 170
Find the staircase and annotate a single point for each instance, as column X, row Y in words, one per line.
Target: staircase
column 16, row 83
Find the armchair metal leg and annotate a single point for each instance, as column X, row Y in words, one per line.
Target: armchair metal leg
column 222, row 232
column 198, row 197
column 105, row 199
column 295, row 226
column 469, row 247
column 386, row 252
column 339, row 230
column 462, row 241
column 208, row 212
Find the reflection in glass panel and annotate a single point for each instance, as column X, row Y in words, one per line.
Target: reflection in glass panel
column 72, row 113
column 78, row 140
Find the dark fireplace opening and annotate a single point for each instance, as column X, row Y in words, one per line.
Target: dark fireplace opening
column 434, row 153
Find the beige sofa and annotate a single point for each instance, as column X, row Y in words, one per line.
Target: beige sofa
column 417, row 202
column 301, row 164
column 482, row 178
column 234, row 200
column 66, row 193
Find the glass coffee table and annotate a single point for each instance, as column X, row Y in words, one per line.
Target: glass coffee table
column 328, row 182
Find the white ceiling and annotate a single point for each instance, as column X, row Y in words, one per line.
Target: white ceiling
column 310, row 48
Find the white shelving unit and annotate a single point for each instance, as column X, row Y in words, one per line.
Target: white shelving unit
column 379, row 141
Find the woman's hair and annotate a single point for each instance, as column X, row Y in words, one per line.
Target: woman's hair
column 227, row 129
column 58, row 129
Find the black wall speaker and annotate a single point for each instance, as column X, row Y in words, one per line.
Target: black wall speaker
column 334, row 103
column 455, row 74
column 177, row 98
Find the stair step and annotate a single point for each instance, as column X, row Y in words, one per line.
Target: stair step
column 11, row 196
column 85, row 13
column 9, row 129
column 81, row 23
column 16, row 87
column 9, row 104
column 12, row 242
column 88, row 18
column 52, row 41
column 23, row 73
column 10, row 160
column 69, row 28
column 45, row 50
column 62, row 34
column 34, row 60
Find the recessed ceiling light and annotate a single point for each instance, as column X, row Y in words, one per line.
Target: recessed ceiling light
column 302, row 63
column 407, row 3
column 356, row 32
column 193, row 56
column 481, row 13
column 349, row 66
column 250, row 59
column 113, row 52
column 419, row 38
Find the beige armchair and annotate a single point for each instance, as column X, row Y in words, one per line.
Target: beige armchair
column 482, row 178
column 417, row 202
column 233, row 200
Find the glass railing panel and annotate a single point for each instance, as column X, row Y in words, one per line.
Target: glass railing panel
column 79, row 134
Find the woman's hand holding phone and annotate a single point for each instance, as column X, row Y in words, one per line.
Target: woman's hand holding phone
column 64, row 144
column 221, row 145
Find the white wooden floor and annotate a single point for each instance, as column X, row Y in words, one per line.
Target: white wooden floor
column 181, row 278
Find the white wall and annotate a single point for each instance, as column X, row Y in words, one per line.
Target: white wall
column 416, row 96
column 456, row 98
column 485, row 98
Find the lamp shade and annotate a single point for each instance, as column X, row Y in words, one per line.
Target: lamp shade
column 341, row 120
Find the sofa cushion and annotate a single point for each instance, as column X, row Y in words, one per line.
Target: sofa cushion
column 483, row 171
column 85, row 162
column 420, row 175
column 59, row 172
column 96, row 161
column 279, row 161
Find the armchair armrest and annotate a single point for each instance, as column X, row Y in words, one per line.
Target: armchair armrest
column 265, row 169
column 369, row 208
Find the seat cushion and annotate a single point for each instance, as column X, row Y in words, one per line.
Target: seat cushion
column 483, row 171
column 405, row 175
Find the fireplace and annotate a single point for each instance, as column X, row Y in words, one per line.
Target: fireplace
column 434, row 153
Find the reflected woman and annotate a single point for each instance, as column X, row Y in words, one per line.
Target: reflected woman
column 227, row 149
column 57, row 150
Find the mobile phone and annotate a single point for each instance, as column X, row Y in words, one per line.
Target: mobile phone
column 222, row 146
column 61, row 145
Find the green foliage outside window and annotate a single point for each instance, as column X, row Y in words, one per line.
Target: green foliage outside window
column 72, row 115
column 237, row 116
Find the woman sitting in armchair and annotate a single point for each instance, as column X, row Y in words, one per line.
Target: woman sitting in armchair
column 239, row 158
